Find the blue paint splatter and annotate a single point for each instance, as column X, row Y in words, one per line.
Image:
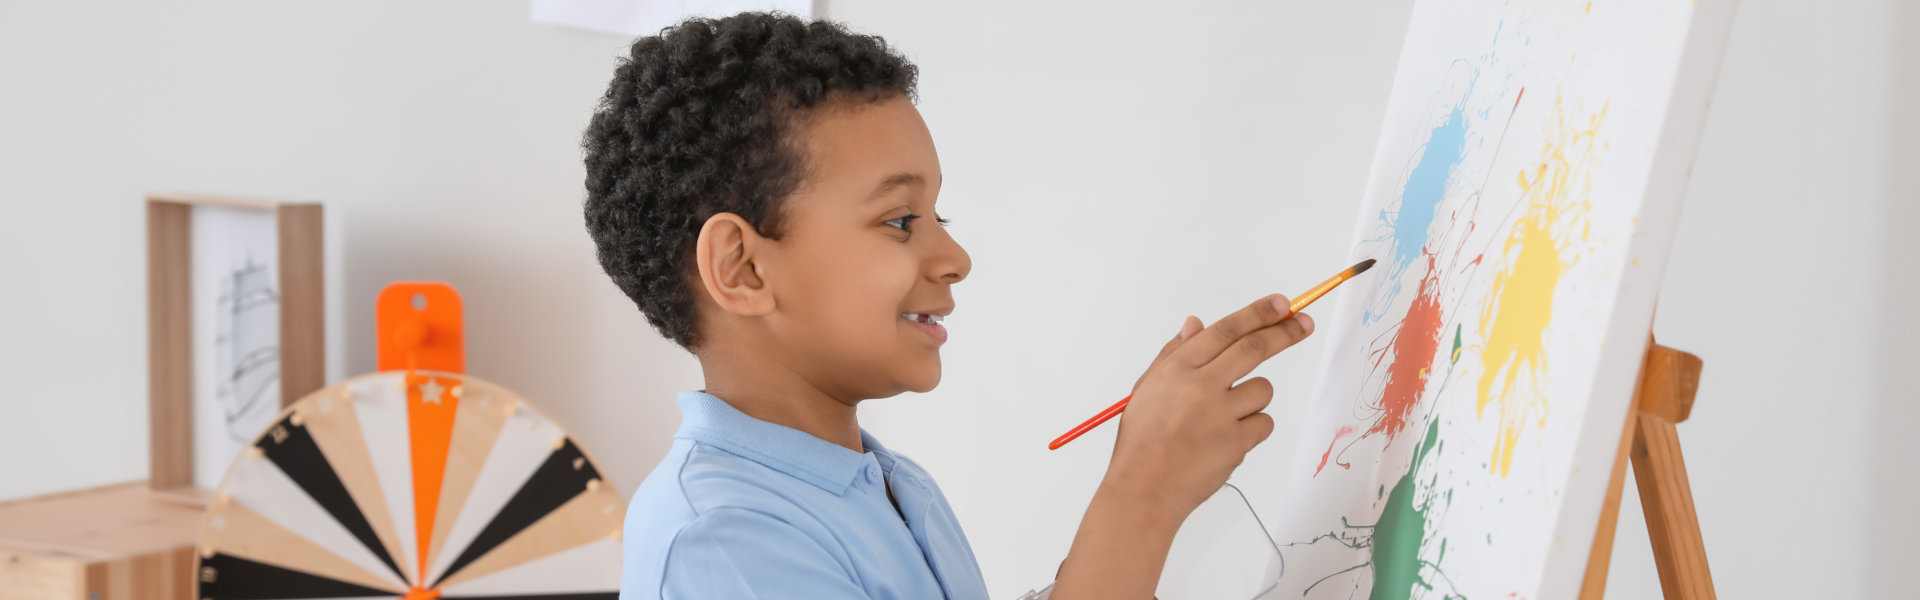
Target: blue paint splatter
column 1420, row 199
column 1427, row 186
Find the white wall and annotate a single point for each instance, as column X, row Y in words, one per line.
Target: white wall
column 1791, row 276
column 1892, row 523
column 1112, row 167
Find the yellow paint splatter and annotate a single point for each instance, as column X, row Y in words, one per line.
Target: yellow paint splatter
column 1515, row 319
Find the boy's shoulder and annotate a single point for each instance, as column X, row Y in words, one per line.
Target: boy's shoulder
column 698, row 483
column 697, row 478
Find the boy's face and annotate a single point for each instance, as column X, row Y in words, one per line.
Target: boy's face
column 862, row 258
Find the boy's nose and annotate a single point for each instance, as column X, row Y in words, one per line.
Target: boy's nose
column 952, row 263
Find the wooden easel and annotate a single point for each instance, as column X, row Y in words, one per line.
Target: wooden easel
column 1664, row 398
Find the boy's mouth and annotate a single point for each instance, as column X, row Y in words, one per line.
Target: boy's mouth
column 928, row 318
column 929, row 323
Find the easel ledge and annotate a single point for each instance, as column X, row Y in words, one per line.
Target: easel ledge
column 1664, row 398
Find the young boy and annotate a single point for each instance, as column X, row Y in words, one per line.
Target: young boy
column 764, row 189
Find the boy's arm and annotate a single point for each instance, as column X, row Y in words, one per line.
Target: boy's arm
column 1120, row 549
column 1188, row 426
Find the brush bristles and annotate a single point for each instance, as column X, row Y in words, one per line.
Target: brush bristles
column 1360, row 268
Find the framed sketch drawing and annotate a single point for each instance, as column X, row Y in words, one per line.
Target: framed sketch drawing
column 236, row 328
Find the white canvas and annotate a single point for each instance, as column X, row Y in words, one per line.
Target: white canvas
column 1521, row 202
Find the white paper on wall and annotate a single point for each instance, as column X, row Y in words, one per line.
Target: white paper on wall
column 646, row 17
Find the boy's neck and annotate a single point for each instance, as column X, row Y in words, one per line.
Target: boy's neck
column 768, row 390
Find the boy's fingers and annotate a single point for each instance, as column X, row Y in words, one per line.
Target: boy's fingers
column 1255, row 348
column 1210, row 342
column 1191, row 326
column 1255, row 429
column 1251, row 396
column 1187, row 329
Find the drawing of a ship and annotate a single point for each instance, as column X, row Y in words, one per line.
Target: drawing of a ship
column 247, row 350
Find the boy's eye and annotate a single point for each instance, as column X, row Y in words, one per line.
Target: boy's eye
column 904, row 223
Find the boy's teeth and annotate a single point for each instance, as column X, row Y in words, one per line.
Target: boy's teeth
column 921, row 318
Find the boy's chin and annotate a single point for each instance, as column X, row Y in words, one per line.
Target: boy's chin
column 922, row 378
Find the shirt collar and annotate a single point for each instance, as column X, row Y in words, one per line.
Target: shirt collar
column 707, row 419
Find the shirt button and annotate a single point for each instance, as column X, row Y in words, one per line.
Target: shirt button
column 873, row 474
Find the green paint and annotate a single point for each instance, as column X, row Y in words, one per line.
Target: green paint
column 1401, row 531
column 1395, row 541
column 1456, row 342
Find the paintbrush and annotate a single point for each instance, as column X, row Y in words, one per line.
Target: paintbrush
column 1294, row 307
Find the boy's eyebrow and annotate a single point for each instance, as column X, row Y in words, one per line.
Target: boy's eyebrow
column 896, row 180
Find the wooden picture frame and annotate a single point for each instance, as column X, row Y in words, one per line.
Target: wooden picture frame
column 292, row 280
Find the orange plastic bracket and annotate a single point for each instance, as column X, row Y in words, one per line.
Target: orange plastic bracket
column 419, row 326
column 419, row 329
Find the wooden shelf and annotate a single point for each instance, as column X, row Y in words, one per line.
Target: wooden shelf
column 114, row 542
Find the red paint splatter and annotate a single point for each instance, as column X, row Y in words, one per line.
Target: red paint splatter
column 1345, row 430
column 1413, row 350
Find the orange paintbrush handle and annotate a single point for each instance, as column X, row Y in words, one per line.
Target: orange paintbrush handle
column 1109, row 413
column 1297, row 305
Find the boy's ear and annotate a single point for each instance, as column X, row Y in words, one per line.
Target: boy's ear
column 727, row 256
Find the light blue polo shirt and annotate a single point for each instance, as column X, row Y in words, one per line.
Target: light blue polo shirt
column 746, row 509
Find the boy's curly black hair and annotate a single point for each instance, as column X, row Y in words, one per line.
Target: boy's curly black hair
column 699, row 120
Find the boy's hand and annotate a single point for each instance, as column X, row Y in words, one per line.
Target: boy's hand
column 1185, row 430
column 1188, row 425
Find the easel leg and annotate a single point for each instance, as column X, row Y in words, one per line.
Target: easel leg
column 1661, row 471
column 1668, row 381
column 1598, row 560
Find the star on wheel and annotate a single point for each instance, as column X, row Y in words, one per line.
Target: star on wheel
column 430, row 391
